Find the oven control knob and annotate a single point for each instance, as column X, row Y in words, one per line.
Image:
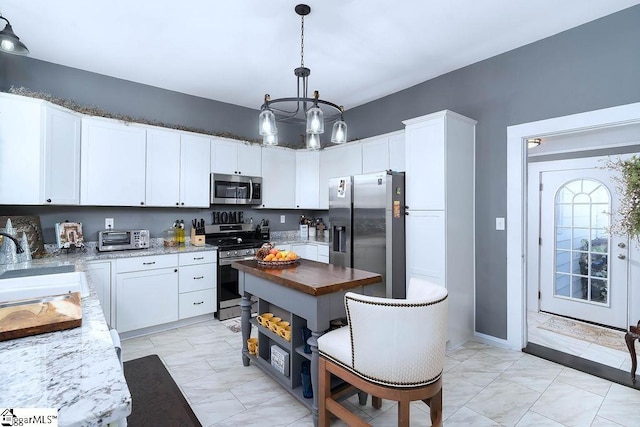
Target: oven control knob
column 228, row 253
column 235, row 253
column 248, row 251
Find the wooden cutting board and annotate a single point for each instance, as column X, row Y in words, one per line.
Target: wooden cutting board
column 31, row 317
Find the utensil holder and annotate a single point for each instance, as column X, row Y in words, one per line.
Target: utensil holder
column 197, row 239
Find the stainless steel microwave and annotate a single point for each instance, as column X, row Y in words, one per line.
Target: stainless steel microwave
column 236, row 189
column 120, row 240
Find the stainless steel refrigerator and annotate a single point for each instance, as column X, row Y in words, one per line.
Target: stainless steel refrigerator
column 366, row 216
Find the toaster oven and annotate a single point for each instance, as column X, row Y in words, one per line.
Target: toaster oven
column 120, row 240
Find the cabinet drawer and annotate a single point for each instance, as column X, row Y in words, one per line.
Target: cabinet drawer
column 323, row 250
column 197, row 277
column 198, row 257
column 143, row 263
column 324, row 259
column 197, row 303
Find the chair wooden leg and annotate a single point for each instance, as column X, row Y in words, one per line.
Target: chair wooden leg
column 324, row 391
column 435, row 408
column 403, row 413
column 376, row 402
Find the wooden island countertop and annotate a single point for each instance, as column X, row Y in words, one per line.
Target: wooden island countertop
column 311, row 277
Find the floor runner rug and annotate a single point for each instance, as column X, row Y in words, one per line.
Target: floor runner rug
column 586, row 332
column 156, row 399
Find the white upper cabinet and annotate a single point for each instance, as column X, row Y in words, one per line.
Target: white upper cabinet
column 249, row 159
column 61, row 156
column 383, row 152
column 440, row 155
column 177, row 169
column 194, row 170
column 425, row 151
column 307, row 179
column 113, row 157
column 39, row 152
column 235, row 158
column 375, row 154
column 279, row 178
column 163, row 168
column 343, row 160
column 397, row 152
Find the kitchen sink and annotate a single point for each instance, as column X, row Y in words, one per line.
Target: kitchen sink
column 34, row 283
column 37, row 271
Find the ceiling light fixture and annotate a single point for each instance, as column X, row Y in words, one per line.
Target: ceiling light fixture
column 9, row 42
column 533, row 142
column 301, row 108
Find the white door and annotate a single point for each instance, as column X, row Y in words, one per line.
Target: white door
column 584, row 269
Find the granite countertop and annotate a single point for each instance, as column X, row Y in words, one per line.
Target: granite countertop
column 311, row 277
column 293, row 238
column 75, row 370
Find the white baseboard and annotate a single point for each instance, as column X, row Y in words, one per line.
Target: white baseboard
column 498, row 342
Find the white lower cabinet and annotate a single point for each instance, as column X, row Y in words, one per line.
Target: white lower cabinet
column 197, row 284
column 146, row 298
column 196, row 303
column 153, row 290
column 99, row 273
column 311, row 251
column 323, row 254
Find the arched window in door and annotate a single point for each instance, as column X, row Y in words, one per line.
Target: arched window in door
column 582, row 209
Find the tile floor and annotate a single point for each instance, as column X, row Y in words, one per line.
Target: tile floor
column 483, row 386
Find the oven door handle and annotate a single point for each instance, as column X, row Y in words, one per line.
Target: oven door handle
column 250, row 190
column 222, row 262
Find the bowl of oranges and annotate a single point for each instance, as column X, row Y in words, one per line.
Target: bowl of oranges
column 269, row 256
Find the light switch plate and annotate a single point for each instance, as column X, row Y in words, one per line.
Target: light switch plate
column 108, row 223
column 281, row 219
column 499, row 223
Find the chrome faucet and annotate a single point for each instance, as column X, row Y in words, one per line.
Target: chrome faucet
column 19, row 249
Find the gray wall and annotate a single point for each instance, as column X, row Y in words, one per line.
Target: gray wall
column 156, row 220
column 133, row 99
column 590, row 67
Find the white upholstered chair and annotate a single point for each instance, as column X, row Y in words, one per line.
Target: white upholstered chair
column 391, row 349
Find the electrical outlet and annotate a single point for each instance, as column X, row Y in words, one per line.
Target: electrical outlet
column 108, row 223
column 499, row 223
column 281, row 219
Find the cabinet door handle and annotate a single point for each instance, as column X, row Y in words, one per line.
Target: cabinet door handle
column 197, row 258
column 175, row 270
column 198, row 303
column 48, row 200
column 198, row 278
column 148, row 263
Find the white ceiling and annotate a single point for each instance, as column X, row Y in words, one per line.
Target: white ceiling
column 236, row 51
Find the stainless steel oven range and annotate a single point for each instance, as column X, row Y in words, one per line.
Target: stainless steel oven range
column 235, row 242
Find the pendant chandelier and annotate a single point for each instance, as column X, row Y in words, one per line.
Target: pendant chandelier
column 301, row 108
column 9, row 42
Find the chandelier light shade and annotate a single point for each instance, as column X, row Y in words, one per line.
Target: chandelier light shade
column 267, row 122
column 313, row 141
column 9, row 42
column 271, row 139
column 302, row 109
column 315, row 120
column 339, row 132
